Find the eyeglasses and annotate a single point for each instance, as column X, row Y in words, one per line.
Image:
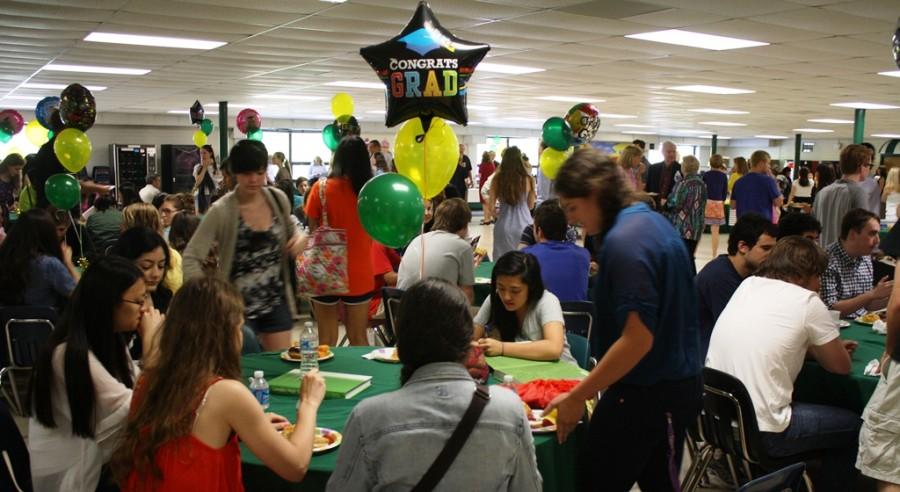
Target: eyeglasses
column 140, row 302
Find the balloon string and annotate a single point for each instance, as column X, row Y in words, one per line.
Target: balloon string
column 425, row 189
column 77, row 234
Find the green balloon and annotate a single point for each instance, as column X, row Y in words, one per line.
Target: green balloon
column 391, row 209
column 255, row 135
column 557, row 133
column 5, row 136
column 331, row 135
column 206, row 126
column 63, row 191
column 50, row 134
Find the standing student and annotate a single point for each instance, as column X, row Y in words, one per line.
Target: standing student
column 716, row 193
column 686, row 205
column 515, row 189
column 207, row 178
column 650, row 369
column 757, row 191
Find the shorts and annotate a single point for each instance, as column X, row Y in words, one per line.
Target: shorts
column 347, row 300
column 277, row 320
column 879, row 438
column 715, row 212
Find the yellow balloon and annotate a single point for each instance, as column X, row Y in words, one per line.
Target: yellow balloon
column 341, row 104
column 552, row 160
column 619, row 147
column 199, row 138
column 429, row 160
column 36, row 133
column 73, row 149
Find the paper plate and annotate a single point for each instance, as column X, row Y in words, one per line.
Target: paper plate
column 385, row 354
column 335, row 436
column 288, row 358
column 537, row 415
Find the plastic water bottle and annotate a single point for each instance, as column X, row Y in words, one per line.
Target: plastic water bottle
column 309, row 348
column 509, row 382
column 260, row 388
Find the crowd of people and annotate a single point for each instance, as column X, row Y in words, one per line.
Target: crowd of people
column 139, row 386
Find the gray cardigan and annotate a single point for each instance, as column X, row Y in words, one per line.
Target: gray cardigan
column 220, row 226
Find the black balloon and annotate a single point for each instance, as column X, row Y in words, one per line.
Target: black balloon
column 896, row 44
column 425, row 69
column 196, row 113
column 77, row 107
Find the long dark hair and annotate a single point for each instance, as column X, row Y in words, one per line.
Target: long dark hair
column 526, row 267
column 826, row 176
column 434, row 325
column 511, row 180
column 351, row 160
column 33, row 235
column 171, row 390
column 212, row 155
column 86, row 326
column 183, row 228
column 137, row 241
column 804, row 176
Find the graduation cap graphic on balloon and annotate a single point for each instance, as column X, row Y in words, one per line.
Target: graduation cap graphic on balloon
column 425, row 69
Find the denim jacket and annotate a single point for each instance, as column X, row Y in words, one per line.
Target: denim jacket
column 390, row 440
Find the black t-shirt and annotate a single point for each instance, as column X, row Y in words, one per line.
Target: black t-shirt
column 460, row 174
column 715, row 284
column 44, row 165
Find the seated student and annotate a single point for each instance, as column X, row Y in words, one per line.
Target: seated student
column 799, row 224
column 847, row 283
column 763, row 336
column 385, row 262
column 433, row 336
column 749, row 244
column 104, row 225
column 564, row 265
column 189, row 412
column 82, row 381
column 520, row 310
column 878, row 457
column 529, row 239
column 448, row 255
column 36, row 268
column 183, row 228
column 145, row 215
column 149, row 252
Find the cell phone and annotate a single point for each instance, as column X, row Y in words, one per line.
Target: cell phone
column 474, row 241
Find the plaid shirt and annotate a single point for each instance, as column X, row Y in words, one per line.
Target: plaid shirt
column 846, row 277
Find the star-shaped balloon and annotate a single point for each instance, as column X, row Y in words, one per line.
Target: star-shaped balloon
column 896, row 44
column 426, row 70
column 196, row 113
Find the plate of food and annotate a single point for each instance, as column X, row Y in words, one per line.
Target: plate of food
column 323, row 440
column 540, row 423
column 871, row 317
column 386, row 354
column 293, row 354
column 843, row 323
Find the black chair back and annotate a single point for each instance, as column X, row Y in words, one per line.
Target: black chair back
column 391, row 297
column 728, row 420
column 787, row 479
column 15, row 468
column 579, row 317
column 24, row 331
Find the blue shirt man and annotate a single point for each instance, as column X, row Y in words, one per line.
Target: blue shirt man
column 756, row 192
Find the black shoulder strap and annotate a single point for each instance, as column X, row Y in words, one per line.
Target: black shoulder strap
column 457, row 440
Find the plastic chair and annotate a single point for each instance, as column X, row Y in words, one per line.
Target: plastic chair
column 25, row 331
column 787, row 479
column 580, row 350
column 579, row 318
column 391, row 297
column 728, row 422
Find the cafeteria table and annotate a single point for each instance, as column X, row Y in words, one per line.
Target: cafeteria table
column 557, row 463
column 816, row 385
column 482, row 287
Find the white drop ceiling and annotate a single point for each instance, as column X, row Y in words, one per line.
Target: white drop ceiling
column 820, row 52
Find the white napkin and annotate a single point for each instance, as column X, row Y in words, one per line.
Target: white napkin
column 872, row 368
column 879, row 327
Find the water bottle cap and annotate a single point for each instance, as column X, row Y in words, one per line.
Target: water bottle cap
column 258, row 374
column 507, row 379
column 308, row 324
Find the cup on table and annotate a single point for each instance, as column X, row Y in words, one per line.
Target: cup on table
column 835, row 315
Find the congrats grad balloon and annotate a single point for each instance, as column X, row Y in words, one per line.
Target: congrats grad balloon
column 426, row 70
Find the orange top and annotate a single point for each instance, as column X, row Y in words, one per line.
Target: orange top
column 342, row 214
column 188, row 464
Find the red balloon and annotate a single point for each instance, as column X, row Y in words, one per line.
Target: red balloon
column 11, row 121
column 248, row 120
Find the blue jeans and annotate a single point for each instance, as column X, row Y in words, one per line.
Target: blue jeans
column 831, row 430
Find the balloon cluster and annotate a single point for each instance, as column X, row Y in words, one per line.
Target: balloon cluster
column 344, row 123
column 204, row 125
column 561, row 134
column 249, row 122
column 11, row 123
column 425, row 70
column 895, row 44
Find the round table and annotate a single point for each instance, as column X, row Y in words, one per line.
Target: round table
column 557, row 463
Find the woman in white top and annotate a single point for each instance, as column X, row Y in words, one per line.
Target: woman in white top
column 801, row 190
column 207, row 178
column 83, row 379
column 891, row 196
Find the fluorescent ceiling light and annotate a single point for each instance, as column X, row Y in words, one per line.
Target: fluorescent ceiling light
column 333, row 1
column 636, row 132
column 886, row 135
column 831, row 120
column 710, row 89
column 33, row 85
column 774, row 137
column 812, row 130
column 56, row 67
column 718, row 137
column 525, row 118
column 630, row 125
column 356, row 84
column 18, row 106
column 718, row 111
column 185, row 111
column 380, row 111
column 864, row 105
column 478, row 107
column 571, row 99
column 157, row 41
column 288, row 97
column 507, row 69
column 696, row 40
column 474, row 123
column 617, row 116
column 686, row 131
column 24, row 98
column 894, row 73
column 722, row 123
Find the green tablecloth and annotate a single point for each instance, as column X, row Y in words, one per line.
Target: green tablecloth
column 556, row 462
column 483, row 287
column 816, row 385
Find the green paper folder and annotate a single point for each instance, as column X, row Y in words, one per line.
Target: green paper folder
column 338, row 385
column 523, row 370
